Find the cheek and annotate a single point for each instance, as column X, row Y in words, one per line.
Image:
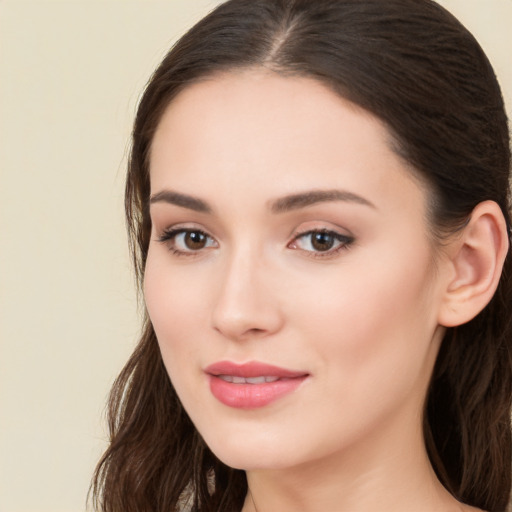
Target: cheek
column 175, row 313
column 372, row 312
column 174, row 309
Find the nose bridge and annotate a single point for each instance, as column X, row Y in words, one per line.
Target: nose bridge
column 245, row 304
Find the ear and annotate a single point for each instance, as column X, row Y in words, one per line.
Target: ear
column 475, row 262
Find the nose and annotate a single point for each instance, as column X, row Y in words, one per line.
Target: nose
column 246, row 305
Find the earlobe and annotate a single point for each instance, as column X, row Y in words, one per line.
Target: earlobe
column 476, row 261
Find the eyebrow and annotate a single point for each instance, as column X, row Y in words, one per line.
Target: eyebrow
column 311, row 197
column 183, row 200
column 281, row 205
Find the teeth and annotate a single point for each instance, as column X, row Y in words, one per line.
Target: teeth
column 249, row 380
column 255, row 380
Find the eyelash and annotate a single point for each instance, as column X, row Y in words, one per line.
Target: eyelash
column 345, row 241
column 169, row 236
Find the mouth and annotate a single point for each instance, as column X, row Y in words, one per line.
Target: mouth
column 251, row 385
column 234, row 379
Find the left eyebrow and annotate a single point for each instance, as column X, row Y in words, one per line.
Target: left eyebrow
column 311, row 197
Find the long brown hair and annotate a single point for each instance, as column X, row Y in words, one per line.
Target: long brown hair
column 414, row 66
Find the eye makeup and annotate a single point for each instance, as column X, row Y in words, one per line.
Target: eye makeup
column 316, row 243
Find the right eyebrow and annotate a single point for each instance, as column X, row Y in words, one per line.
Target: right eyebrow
column 311, row 197
column 182, row 200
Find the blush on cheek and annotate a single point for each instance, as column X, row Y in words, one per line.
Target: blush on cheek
column 174, row 311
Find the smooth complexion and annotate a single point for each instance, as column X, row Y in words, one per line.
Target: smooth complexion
column 287, row 232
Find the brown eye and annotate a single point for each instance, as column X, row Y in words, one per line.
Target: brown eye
column 187, row 241
column 321, row 241
column 195, row 240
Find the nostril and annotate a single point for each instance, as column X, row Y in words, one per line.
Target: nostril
column 255, row 331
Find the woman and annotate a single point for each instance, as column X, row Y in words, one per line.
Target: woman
column 318, row 204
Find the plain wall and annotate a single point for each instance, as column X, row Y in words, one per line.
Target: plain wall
column 70, row 76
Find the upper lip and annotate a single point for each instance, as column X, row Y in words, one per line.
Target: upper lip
column 252, row 369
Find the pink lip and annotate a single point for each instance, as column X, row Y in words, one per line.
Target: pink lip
column 251, row 396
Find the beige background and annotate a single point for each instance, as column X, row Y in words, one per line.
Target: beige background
column 70, row 76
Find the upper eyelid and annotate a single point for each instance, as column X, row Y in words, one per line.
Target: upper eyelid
column 296, row 233
column 334, row 230
column 174, row 231
column 182, row 227
column 335, row 233
column 319, row 230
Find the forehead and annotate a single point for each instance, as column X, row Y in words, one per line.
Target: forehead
column 260, row 95
column 247, row 131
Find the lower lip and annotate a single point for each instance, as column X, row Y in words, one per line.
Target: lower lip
column 252, row 396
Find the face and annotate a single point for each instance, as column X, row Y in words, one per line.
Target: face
column 290, row 277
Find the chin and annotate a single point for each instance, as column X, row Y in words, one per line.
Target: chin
column 251, row 453
column 252, row 461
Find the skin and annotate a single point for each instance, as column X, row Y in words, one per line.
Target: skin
column 362, row 319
